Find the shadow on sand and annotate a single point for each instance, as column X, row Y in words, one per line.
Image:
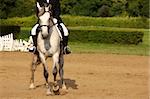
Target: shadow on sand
column 69, row 84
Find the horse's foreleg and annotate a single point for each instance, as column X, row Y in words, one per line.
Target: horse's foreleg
column 55, row 64
column 55, row 73
column 61, row 70
column 46, row 74
column 55, row 86
column 61, row 73
column 61, row 64
column 33, row 68
column 32, row 80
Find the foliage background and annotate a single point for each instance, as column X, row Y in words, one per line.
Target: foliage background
column 95, row 8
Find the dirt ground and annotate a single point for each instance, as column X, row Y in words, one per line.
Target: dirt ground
column 87, row 76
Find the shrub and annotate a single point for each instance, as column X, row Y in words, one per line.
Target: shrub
column 98, row 35
column 4, row 30
column 123, row 22
column 23, row 22
column 106, row 36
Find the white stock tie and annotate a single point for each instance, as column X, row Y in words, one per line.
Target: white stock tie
column 47, row 1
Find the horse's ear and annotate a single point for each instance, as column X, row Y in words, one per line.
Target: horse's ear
column 38, row 6
column 50, row 6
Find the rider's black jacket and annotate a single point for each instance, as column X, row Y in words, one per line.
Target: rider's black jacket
column 55, row 8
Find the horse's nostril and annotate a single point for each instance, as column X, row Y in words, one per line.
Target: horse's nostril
column 44, row 36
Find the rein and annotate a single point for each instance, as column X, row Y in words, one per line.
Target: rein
column 49, row 26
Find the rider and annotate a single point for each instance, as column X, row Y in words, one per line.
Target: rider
column 56, row 15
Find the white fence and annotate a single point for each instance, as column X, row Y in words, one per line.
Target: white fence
column 8, row 44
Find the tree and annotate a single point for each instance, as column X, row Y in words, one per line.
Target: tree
column 102, row 8
column 104, row 11
column 138, row 8
column 118, row 7
column 145, row 8
column 6, row 7
column 83, row 7
column 13, row 8
column 23, row 8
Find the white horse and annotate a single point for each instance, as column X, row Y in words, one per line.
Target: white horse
column 48, row 44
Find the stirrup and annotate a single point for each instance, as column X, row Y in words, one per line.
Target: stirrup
column 67, row 50
column 32, row 49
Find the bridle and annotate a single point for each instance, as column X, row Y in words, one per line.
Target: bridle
column 50, row 19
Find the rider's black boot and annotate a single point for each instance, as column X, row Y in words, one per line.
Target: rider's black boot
column 34, row 38
column 65, row 40
column 66, row 48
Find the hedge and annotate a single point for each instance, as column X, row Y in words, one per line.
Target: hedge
column 23, row 22
column 5, row 30
column 106, row 36
column 99, row 35
column 123, row 22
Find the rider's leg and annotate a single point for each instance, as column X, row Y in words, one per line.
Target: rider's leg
column 65, row 38
column 65, row 34
column 34, row 36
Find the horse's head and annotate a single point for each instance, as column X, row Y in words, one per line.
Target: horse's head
column 44, row 16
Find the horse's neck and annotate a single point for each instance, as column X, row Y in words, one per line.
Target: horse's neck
column 55, row 32
column 51, row 22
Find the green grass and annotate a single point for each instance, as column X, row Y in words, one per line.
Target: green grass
column 109, row 48
column 105, row 28
column 78, row 47
column 25, row 33
column 140, row 49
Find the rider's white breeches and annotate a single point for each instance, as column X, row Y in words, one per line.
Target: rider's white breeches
column 33, row 31
column 66, row 33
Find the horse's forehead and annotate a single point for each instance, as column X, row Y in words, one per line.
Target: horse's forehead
column 46, row 8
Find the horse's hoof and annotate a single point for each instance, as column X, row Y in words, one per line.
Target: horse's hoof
column 49, row 92
column 32, row 86
column 64, row 90
column 56, row 90
column 64, row 87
